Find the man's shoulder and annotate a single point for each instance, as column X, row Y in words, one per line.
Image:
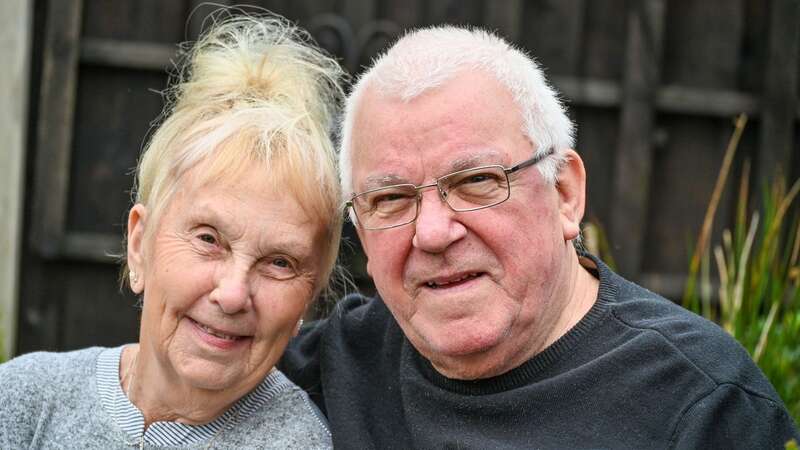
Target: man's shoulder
column 358, row 313
column 703, row 344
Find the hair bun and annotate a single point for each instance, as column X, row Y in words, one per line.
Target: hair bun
column 248, row 60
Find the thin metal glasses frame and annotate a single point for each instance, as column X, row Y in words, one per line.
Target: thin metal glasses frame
column 443, row 194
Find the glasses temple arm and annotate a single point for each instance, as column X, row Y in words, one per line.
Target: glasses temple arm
column 536, row 159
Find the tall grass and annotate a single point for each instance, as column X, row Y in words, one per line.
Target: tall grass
column 757, row 264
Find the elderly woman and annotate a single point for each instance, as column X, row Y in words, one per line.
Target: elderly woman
column 234, row 231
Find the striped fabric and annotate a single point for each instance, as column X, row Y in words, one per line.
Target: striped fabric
column 131, row 420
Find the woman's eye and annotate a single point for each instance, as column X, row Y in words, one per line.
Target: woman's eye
column 279, row 268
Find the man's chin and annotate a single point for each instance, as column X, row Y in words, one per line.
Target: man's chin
column 469, row 367
column 466, row 356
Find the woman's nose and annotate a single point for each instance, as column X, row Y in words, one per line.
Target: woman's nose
column 232, row 290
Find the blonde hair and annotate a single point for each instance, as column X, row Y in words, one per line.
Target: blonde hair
column 253, row 91
column 427, row 58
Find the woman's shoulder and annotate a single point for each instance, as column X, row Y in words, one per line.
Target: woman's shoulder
column 34, row 383
column 45, row 374
column 50, row 364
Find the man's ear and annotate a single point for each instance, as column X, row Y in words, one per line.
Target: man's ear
column 571, row 186
column 136, row 223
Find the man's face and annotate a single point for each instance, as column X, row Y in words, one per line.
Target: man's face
column 475, row 292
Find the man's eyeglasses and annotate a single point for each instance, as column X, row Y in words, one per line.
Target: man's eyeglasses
column 464, row 190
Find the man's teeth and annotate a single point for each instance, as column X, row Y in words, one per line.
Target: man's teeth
column 216, row 333
column 434, row 284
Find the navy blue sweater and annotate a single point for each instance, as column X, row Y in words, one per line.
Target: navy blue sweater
column 636, row 372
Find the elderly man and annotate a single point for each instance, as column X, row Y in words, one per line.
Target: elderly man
column 490, row 330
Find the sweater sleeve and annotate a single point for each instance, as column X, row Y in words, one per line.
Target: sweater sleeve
column 301, row 361
column 20, row 402
column 733, row 418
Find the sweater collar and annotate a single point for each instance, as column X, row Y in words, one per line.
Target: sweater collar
column 128, row 417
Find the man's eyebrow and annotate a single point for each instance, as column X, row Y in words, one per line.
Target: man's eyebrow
column 377, row 181
column 480, row 159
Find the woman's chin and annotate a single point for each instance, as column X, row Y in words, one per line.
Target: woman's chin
column 213, row 376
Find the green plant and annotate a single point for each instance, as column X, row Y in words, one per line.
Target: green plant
column 758, row 268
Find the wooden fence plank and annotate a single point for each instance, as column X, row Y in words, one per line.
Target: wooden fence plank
column 779, row 99
column 54, row 131
column 634, row 153
column 128, row 55
column 504, row 16
column 199, row 10
column 15, row 45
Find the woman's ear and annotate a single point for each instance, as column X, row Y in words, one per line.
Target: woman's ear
column 571, row 186
column 136, row 224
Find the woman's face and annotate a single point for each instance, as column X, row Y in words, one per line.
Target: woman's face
column 227, row 275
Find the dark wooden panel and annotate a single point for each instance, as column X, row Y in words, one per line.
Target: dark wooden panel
column 358, row 12
column 604, row 39
column 504, row 17
column 552, row 30
column 55, row 123
column 128, row 55
column 702, row 43
column 136, row 20
column 753, row 45
column 95, row 313
column 633, row 166
column 685, row 168
column 40, row 310
column 405, row 13
column 114, row 109
column 701, row 52
column 779, row 99
column 597, row 137
column 198, row 16
column 455, row 12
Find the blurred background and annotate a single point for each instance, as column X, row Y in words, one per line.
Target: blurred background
column 653, row 85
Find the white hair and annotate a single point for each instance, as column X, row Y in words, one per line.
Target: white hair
column 427, row 58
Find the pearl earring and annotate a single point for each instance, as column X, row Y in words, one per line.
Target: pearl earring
column 134, row 277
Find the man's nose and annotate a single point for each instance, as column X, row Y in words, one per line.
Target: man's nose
column 232, row 291
column 436, row 227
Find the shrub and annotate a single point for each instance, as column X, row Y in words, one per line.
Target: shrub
column 758, row 269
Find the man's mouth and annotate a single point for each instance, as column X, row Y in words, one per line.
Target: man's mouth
column 444, row 282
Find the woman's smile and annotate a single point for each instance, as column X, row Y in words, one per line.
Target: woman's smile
column 217, row 338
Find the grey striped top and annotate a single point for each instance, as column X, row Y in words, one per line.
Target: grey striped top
column 74, row 400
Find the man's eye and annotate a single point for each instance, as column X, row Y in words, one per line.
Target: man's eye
column 390, row 197
column 281, row 262
column 481, row 177
column 478, row 178
column 208, row 238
